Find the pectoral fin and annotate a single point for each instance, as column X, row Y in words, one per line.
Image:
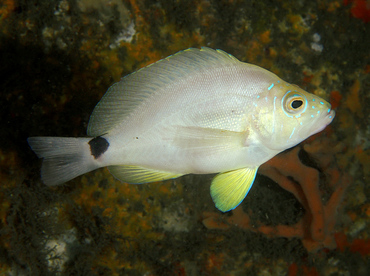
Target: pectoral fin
column 209, row 139
column 228, row 189
column 139, row 175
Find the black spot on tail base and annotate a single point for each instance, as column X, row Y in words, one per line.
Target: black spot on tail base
column 98, row 146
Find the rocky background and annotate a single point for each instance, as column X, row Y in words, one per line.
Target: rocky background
column 57, row 59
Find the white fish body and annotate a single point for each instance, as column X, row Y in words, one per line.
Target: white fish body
column 199, row 111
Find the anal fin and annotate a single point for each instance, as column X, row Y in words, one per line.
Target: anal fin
column 228, row 189
column 139, row 175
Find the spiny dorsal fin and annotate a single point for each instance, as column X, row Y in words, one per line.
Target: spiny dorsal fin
column 124, row 96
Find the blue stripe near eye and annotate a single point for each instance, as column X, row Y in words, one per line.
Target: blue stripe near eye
column 273, row 126
column 292, row 133
column 271, row 86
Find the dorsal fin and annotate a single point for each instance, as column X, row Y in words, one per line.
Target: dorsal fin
column 124, row 96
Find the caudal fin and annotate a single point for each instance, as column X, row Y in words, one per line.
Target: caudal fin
column 64, row 158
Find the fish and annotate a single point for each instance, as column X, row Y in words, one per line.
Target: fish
column 199, row 111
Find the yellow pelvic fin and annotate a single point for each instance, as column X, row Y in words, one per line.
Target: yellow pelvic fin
column 140, row 175
column 228, row 189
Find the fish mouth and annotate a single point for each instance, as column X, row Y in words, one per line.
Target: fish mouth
column 330, row 116
column 325, row 121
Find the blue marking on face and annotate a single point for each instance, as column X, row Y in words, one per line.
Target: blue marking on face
column 313, row 100
column 291, row 133
column 321, row 103
column 271, row 86
column 273, row 127
column 329, row 110
column 258, row 96
column 313, row 107
column 312, row 116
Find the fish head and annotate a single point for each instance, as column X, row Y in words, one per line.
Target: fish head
column 291, row 115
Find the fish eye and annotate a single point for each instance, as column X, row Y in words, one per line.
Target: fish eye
column 294, row 102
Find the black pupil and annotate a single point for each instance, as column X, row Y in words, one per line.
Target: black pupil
column 296, row 103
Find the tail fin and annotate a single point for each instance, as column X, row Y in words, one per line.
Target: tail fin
column 64, row 158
